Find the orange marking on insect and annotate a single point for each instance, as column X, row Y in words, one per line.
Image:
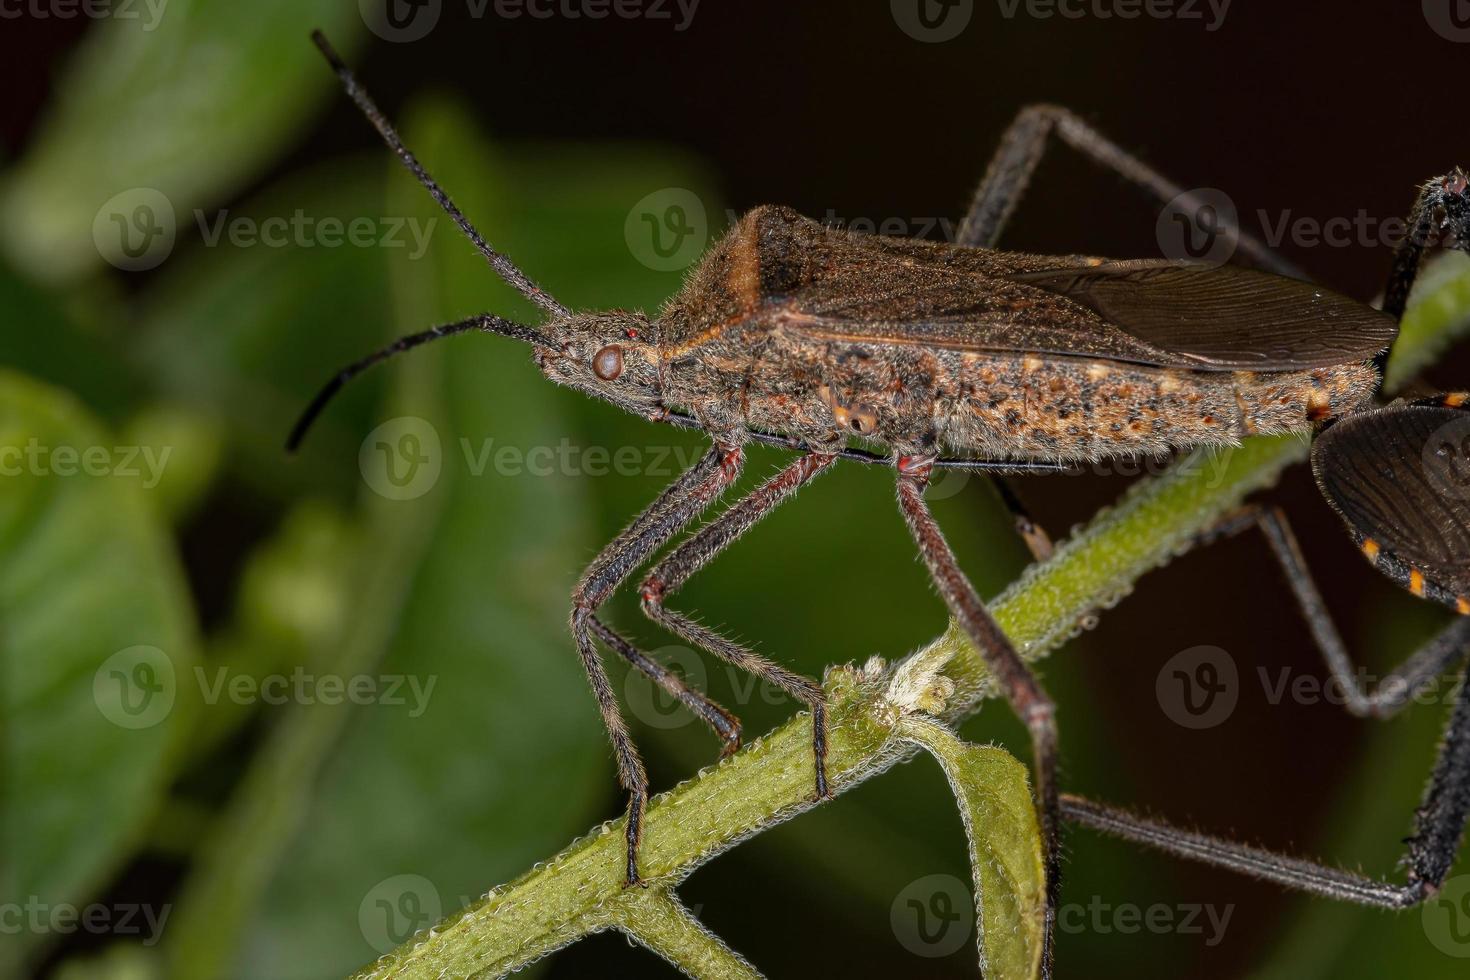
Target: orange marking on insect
column 1319, row 406
column 744, row 277
column 1416, row 581
column 1462, row 605
column 1370, row 548
column 1456, row 399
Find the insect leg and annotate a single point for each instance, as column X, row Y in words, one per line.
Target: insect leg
column 1037, row 540
column 670, row 574
column 1394, row 691
column 1439, row 825
column 725, row 724
column 1024, row 144
column 1441, row 213
column 672, row 511
column 1021, row 688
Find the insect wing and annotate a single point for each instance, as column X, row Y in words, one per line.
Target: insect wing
column 850, row 287
column 1400, row 478
column 1225, row 317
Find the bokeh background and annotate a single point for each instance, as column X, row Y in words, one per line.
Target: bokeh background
column 170, row 638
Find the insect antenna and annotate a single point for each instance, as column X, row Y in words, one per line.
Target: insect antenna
column 503, row 266
column 485, row 321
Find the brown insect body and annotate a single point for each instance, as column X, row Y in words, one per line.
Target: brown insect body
column 819, row 334
column 793, row 327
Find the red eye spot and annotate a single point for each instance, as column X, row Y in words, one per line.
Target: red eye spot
column 607, row 363
column 631, row 334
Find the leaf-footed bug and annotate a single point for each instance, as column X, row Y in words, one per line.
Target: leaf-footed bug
column 792, row 333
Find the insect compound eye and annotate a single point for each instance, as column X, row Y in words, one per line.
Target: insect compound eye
column 607, row 363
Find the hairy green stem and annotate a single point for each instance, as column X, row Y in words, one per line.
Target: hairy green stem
column 580, row 890
column 656, row 919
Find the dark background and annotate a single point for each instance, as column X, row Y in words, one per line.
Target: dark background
column 1317, row 108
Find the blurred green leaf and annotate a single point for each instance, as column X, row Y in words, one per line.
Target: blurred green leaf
column 994, row 794
column 41, row 339
column 194, row 442
column 248, row 333
column 167, row 111
column 121, row 961
column 295, row 598
column 98, row 651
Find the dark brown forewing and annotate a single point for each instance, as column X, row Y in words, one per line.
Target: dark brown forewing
column 868, row 288
column 1225, row 316
column 1401, row 476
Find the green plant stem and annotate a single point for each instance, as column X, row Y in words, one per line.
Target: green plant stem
column 581, row 890
column 657, row 920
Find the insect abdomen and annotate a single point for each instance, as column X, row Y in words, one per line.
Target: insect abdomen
column 1076, row 408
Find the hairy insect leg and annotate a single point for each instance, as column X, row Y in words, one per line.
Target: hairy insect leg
column 1439, row 826
column 676, row 568
column 722, row 721
column 685, row 499
column 1020, row 686
column 1024, row 144
column 1395, row 690
column 1441, row 212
